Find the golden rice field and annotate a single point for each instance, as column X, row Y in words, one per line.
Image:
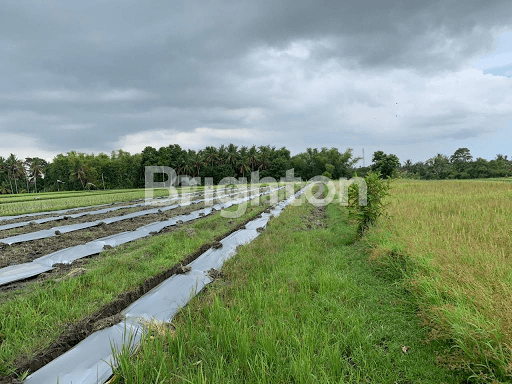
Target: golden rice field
column 459, row 234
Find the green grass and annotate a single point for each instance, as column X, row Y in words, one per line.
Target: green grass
column 458, row 233
column 32, row 317
column 295, row 306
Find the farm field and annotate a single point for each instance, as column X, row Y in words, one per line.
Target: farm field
column 84, row 295
column 40, row 202
column 421, row 298
column 451, row 242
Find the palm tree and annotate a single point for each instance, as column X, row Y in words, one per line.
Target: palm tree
column 80, row 176
column 14, row 168
column 197, row 163
column 408, row 165
column 222, row 154
column 253, row 157
column 3, row 165
column 264, row 157
column 35, row 166
column 210, row 154
column 232, row 154
column 243, row 166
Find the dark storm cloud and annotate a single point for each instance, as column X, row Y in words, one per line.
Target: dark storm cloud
column 79, row 75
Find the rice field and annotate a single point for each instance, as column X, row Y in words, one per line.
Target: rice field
column 457, row 236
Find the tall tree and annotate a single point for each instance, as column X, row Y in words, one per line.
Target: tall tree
column 385, row 164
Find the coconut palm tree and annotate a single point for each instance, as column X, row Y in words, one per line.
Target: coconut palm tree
column 80, row 176
column 14, row 168
column 232, row 154
column 211, row 155
column 253, row 158
column 35, row 166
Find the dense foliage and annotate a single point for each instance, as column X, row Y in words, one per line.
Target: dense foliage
column 458, row 166
column 79, row 171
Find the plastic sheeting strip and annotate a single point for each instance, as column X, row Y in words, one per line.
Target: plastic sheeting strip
column 159, row 201
column 5, row 218
column 68, row 255
column 45, row 233
column 91, row 361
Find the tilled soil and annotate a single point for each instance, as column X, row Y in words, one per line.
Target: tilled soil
column 30, row 250
column 80, row 210
column 108, row 315
column 77, row 210
column 32, row 227
column 317, row 217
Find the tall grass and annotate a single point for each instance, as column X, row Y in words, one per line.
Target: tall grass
column 458, row 234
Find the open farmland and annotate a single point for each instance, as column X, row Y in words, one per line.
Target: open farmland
column 40, row 202
column 451, row 242
column 306, row 301
column 81, row 295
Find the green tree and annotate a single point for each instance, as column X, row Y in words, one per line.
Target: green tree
column 384, row 164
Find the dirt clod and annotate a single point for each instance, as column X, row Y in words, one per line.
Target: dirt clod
column 182, row 269
column 107, row 322
column 215, row 274
column 217, row 245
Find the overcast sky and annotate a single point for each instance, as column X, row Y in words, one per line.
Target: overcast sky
column 412, row 78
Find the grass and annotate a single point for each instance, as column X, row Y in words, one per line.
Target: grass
column 458, row 234
column 32, row 317
column 300, row 304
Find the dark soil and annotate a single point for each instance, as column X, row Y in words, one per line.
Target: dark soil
column 51, row 214
column 32, row 227
column 30, row 250
column 318, row 215
column 109, row 314
column 79, row 210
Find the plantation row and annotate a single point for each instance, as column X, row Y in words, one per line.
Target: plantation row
column 49, row 319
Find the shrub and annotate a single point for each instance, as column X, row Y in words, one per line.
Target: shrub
column 366, row 215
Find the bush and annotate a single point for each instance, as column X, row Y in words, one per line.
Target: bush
column 366, row 215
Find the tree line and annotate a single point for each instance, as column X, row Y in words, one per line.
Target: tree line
column 122, row 170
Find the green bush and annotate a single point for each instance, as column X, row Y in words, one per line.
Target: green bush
column 366, row 215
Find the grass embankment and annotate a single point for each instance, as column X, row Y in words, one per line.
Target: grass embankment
column 299, row 304
column 33, row 317
column 452, row 242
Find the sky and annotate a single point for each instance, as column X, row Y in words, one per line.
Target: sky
column 414, row 78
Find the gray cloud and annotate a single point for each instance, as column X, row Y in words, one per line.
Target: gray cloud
column 90, row 75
